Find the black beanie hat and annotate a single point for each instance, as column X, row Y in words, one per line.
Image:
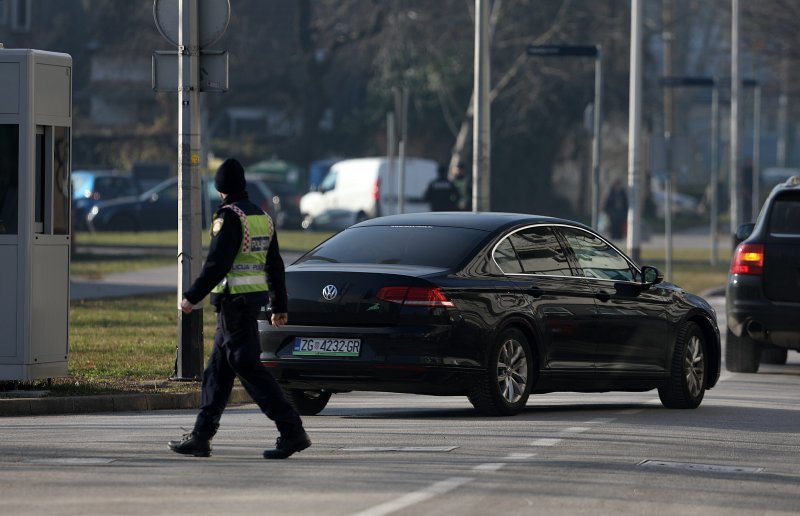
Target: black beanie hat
column 230, row 177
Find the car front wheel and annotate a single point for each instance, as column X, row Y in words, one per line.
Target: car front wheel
column 687, row 383
column 504, row 386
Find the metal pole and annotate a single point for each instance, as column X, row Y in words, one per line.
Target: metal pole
column 756, row 203
column 666, row 34
column 189, row 362
column 596, row 141
column 714, row 174
column 481, row 145
column 401, row 176
column 736, row 87
column 634, row 130
column 391, row 143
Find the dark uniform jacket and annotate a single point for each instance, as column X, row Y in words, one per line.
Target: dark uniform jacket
column 222, row 252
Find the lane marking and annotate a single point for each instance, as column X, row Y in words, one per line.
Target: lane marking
column 574, row 430
column 692, row 466
column 416, row 497
column 429, row 449
column 630, row 411
column 519, row 456
column 546, row 441
column 489, row 466
column 600, row 420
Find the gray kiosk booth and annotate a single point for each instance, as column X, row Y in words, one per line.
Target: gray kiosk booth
column 35, row 144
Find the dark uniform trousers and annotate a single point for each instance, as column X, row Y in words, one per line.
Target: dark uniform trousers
column 237, row 353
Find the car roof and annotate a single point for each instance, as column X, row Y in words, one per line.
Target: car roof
column 486, row 221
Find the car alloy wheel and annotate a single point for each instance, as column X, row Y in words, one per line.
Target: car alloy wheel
column 686, row 385
column 505, row 384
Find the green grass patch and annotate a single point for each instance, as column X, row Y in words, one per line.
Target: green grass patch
column 296, row 240
column 98, row 265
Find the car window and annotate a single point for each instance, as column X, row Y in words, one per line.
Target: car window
column 329, row 182
column 596, row 257
column 170, row 192
column 429, row 246
column 784, row 219
column 537, row 251
column 506, row 258
column 111, row 186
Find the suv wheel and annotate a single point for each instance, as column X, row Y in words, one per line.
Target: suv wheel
column 687, row 383
column 307, row 403
column 741, row 354
column 774, row 355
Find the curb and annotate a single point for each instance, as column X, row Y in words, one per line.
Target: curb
column 109, row 403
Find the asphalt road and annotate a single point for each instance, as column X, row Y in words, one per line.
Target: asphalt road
column 377, row 454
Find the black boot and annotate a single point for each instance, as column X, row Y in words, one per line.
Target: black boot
column 192, row 444
column 284, row 447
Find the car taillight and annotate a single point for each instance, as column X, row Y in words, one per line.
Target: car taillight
column 748, row 259
column 414, row 296
column 376, row 190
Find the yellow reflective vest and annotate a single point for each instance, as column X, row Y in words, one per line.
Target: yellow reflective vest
column 247, row 275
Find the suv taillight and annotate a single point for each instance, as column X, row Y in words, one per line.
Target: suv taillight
column 748, row 259
column 414, row 296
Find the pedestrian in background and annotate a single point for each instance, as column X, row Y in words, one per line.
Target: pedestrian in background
column 616, row 208
column 441, row 193
column 242, row 270
column 463, row 183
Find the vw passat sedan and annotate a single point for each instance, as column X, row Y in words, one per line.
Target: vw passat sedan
column 492, row 306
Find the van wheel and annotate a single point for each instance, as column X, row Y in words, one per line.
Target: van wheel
column 774, row 355
column 361, row 217
column 741, row 354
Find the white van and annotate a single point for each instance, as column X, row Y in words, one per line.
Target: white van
column 360, row 189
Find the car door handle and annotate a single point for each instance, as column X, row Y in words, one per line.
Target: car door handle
column 535, row 292
column 602, row 296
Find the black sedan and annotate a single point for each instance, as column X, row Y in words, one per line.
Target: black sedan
column 492, row 306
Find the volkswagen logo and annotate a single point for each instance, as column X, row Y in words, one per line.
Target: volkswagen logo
column 329, row 292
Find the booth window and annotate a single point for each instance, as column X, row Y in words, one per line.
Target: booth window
column 9, row 170
column 61, row 181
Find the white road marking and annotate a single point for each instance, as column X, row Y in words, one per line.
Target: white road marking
column 545, row 442
column 430, row 449
column 630, row 411
column 519, row 456
column 574, row 430
column 416, row 497
column 489, row 466
column 600, row 420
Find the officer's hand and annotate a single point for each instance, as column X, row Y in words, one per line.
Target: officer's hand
column 186, row 306
column 279, row 320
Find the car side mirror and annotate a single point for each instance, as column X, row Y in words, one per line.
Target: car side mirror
column 651, row 275
column 744, row 231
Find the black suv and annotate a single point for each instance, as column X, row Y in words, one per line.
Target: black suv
column 763, row 293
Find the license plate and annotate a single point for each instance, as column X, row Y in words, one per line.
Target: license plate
column 329, row 347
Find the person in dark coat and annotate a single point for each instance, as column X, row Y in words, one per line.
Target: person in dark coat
column 242, row 271
column 616, row 208
column 441, row 193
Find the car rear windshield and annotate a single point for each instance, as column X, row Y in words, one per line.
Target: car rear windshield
column 784, row 218
column 431, row 246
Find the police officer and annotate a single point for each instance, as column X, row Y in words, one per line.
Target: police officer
column 441, row 193
column 243, row 247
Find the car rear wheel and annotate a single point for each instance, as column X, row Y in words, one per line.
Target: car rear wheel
column 306, row 402
column 774, row 355
column 741, row 354
column 687, row 383
column 504, row 386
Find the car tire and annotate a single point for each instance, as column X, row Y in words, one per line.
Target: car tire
column 687, row 382
column 774, row 356
column 504, row 386
column 307, row 402
column 741, row 354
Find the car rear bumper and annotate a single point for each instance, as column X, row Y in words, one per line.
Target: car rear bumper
column 410, row 359
column 749, row 313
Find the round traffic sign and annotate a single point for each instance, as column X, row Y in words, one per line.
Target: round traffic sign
column 213, row 15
